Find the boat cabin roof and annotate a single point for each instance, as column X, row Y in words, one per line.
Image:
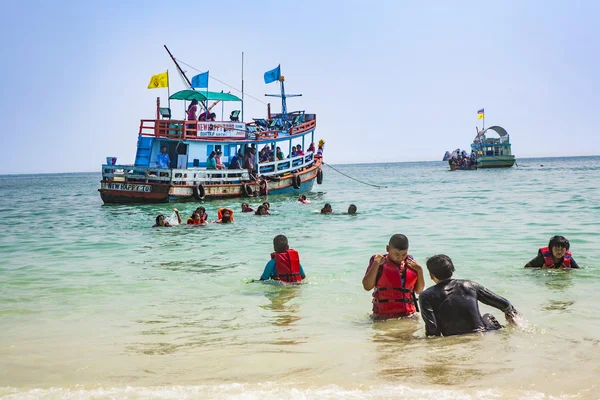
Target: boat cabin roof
column 199, row 95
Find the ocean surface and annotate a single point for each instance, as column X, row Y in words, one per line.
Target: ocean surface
column 95, row 303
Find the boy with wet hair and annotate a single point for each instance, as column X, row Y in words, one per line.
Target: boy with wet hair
column 396, row 277
column 284, row 264
column 450, row 307
column 556, row 255
column 352, row 209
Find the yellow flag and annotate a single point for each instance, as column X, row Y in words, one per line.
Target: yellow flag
column 480, row 116
column 159, row 81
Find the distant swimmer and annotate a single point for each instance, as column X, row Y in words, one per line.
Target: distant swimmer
column 450, row 306
column 198, row 217
column 284, row 264
column 302, row 199
column 162, row 222
column 396, row 278
column 225, row 216
column 261, row 210
column 246, row 208
column 556, row 255
column 352, row 209
column 327, row 209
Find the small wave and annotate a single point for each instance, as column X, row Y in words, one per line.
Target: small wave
column 265, row 391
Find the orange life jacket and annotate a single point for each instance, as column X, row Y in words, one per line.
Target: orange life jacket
column 287, row 265
column 394, row 294
column 549, row 261
column 220, row 213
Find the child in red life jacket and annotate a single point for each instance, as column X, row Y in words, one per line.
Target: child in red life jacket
column 556, row 255
column 284, row 264
column 396, row 278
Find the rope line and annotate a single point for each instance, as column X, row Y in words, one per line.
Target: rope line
column 229, row 86
column 348, row 176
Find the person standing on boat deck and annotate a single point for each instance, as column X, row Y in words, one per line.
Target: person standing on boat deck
column 211, row 163
column 162, row 158
column 556, row 255
column 396, row 277
column 192, row 110
column 284, row 264
column 450, row 306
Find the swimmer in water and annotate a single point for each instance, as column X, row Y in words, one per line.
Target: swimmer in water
column 450, row 306
column 556, row 255
column 162, row 222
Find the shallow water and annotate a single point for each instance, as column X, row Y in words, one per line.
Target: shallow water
column 96, row 303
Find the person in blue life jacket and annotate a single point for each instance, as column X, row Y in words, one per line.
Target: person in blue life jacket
column 284, row 264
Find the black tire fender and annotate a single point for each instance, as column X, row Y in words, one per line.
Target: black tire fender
column 320, row 177
column 296, row 181
column 199, row 192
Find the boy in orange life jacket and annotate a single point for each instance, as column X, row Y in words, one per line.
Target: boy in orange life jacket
column 556, row 255
column 396, row 278
column 284, row 264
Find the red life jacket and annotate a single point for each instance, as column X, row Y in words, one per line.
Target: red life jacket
column 393, row 296
column 549, row 261
column 191, row 221
column 287, row 265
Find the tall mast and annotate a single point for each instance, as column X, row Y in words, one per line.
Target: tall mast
column 179, row 68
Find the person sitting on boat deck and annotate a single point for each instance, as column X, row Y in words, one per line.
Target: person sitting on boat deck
column 261, row 210
column 218, row 163
column 235, row 162
column 211, row 163
column 351, row 209
column 246, row 208
column 225, row 216
column 162, row 222
column 191, row 110
column 299, row 151
column 302, row 199
column 396, row 277
column 162, row 158
column 280, row 155
column 556, row 255
column 284, row 264
column 450, row 307
column 202, row 212
column 195, row 219
column 326, row 209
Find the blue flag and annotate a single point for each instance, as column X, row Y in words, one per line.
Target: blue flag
column 273, row 75
column 200, row 80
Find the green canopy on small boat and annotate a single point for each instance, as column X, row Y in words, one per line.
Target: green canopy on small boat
column 203, row 96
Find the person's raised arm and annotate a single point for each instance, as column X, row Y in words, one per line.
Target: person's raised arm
column 370, row 279
column 415, row 266
column 178, row 216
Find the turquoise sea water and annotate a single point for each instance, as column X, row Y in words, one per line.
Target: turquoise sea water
column 96, row 303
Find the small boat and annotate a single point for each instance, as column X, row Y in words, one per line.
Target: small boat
column 493, row 152
column 189, row 142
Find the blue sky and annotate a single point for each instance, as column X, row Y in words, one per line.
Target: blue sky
column 391, row 81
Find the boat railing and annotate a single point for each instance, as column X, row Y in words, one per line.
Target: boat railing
column 292, row 164
column 214, row 130
column 131, row 173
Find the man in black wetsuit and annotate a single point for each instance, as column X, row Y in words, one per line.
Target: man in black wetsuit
column 450, row 307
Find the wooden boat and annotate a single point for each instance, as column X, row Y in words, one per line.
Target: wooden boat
column 189, row 142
